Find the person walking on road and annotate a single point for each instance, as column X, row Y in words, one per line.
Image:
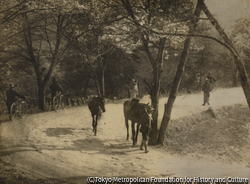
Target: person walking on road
column 206, row 88
column 145, row 133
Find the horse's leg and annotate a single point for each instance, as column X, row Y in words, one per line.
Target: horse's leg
column 127, row 126
column 96, row 118
column 93, row 122
column 137, row 132
column 141, row 147
column 142, row 143
column 133, row 132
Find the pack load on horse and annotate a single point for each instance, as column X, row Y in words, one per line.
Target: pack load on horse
column 138, row 113
column 96, row 106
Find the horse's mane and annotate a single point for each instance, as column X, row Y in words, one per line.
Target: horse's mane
column 135, row 100
column 149, row 109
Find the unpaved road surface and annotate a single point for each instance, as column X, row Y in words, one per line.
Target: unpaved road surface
column 62, row 146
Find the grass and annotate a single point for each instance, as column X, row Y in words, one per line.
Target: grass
column 222, row 134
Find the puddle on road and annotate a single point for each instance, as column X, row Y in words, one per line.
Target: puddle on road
column 97, row 146
column 89, row 144
column 58, row 131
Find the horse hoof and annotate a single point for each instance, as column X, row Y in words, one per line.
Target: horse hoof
column 141, row 148
column 146, row 151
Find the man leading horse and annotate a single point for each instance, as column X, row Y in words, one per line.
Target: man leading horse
column 141, row 114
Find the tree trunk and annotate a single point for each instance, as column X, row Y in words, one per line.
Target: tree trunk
column 103, row 83
column 156, row 64
column 41, row 87
column 97, row 87
column 245, row 83
column 157, row 70
column 155, row 104
column 235, row 78
column 86, row 85
column 178, row 76
column 41, row 97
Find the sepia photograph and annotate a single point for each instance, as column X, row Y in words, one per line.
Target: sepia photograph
column 124, row 91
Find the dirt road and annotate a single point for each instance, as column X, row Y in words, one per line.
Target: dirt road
column 61, row 145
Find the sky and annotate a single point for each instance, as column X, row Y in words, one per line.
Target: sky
column 227, row 12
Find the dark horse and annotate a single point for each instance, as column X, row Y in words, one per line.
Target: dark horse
column 96, row 107
column 137, row 113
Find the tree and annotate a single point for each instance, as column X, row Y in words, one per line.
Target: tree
column 244, row 79
column 9, row 10
column 43, row 26
column 227, row 43
column 121, row 68
column 145, row 23
column 79, row 75
column 241, row 37
column 92, row 52
column 178, row 76
column 73, row 75
column 92, row 43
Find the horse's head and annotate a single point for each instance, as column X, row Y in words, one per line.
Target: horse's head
column 149, row 109
column 102, row 103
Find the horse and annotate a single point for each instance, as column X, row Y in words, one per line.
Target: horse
column 137, row 113
column 96, row 106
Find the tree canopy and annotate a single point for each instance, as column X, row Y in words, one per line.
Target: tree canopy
column 95, row 47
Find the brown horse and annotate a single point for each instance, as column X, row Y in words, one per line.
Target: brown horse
column 96, row 107
column 137, row 113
